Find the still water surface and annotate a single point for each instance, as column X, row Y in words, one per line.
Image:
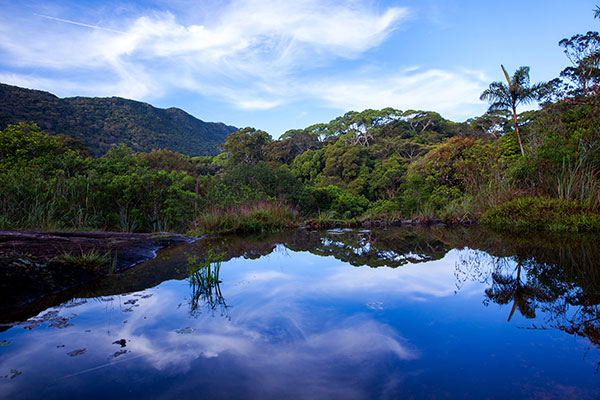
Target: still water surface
column 337, row 314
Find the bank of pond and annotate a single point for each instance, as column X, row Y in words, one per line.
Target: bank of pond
column 340, row 313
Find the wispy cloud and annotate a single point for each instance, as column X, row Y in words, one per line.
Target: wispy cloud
column 447, row 92
column 255, row 42
column 253, row 54
column 78, row 23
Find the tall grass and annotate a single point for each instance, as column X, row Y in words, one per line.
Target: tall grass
column 541, row 214
column 257, row 217
column 578, row 180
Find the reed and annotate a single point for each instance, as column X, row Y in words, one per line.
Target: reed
column 257, row 217
column 204, row 282
column 578, row 180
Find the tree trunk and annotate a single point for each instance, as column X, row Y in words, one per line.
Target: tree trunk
column 517, row 130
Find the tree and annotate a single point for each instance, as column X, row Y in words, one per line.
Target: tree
column 246, row 145
column 508, row 97
column 584, row 53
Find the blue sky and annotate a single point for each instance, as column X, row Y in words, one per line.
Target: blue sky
column 278, row 65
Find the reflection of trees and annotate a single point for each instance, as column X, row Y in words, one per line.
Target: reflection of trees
column 558, row 276
column 510, row 286
column 375, row 248
column 390, row 248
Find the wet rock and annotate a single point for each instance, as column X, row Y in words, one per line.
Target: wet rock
column 117, row 354
column 60, row 323
column 13, row 374
column 29, row 269
column 77, row 352
column 73, row 304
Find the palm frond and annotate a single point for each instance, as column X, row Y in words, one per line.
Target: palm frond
column 521, row 77
column 506, row 75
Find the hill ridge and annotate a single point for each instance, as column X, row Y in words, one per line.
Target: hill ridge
column 103, row 122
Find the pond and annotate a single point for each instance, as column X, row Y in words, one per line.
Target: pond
column 352, row 314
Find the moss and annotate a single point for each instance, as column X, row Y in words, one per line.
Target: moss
column 541, row 214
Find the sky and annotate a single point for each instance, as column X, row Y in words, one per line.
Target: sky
column 278, row 65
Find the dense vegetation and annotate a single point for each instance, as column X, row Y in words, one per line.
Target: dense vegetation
column 102, row 123
column 536, row 170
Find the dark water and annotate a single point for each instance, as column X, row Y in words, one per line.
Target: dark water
column 339, row 314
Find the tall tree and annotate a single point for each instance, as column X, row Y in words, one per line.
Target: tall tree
column 507, row 97
column 584, row 53
column 246, row 145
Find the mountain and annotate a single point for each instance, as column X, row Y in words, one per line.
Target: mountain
column 101, row 123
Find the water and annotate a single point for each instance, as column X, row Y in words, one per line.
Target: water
column 337, row 314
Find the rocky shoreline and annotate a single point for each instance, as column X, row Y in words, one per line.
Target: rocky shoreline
column 29, row 269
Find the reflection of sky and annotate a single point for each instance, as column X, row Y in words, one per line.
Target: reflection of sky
column 297, row 325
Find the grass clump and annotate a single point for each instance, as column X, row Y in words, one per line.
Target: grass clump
column 257, row 217
column 91, row 260
column 542, row 214
column 204, row 282
column 204, row 273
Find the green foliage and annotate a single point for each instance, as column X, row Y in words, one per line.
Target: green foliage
column 291, row 144
column 26, row 146
column 204, row 281
column 45, row 185
column 204, row 273
column 92, row 260
column 536, row 213
column 583, row 50
column 385, row 164
column 101, row 123
column 343, row 204
column 308, row 165
column 257, row 217
column 245, row 146
column 516, row 91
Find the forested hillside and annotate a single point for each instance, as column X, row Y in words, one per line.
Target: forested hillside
column 101, row 123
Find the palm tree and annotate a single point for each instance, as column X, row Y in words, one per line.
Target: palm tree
column 518, row 91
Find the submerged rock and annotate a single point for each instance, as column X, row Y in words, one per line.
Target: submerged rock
column 77, row 352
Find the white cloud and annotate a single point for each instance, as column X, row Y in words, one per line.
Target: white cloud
column 447, row 92
column 254, row 45
column 252, row 54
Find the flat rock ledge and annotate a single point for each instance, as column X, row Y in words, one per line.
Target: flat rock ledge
column 29, row 269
